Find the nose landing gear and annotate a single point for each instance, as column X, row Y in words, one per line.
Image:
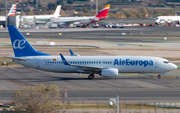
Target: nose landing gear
column 158, row 76
column 156, row 24
column 91, row 76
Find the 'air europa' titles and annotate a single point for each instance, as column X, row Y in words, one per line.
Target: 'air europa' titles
column 129, row 62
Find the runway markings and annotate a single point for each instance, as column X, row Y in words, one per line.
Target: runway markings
column 20, row 86
column 140, row 45
column 133, row 44
column 165, row 77
column 128, row 74
column 158, row 40
column 84, row 37
column 153, row 75
column 3, row 43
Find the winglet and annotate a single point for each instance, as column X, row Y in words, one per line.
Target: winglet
column 64, row 60
column 71, row 52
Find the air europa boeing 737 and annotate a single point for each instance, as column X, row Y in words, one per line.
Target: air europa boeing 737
column 106, row 66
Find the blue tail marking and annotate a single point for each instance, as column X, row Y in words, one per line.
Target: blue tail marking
column 20, row 45
column 71, row 52
column 64, row 60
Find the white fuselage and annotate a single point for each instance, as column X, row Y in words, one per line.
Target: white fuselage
column 124, row 64
column 167, row 19
column 76, row 20
column 34, row 18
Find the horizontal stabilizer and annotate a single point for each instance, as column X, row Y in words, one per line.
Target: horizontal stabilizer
column 150, row 17
column 17, row 58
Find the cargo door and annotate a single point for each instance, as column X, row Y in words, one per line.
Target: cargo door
column 156, row 64
column 37, row 63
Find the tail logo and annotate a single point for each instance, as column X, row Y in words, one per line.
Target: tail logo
column 18, row 44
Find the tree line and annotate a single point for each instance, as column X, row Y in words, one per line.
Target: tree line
column 141, row 13
column 172, row 0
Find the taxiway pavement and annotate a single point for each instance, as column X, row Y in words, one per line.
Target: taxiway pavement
column 130, row 87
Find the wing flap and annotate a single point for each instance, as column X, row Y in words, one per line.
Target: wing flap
column 87, row 67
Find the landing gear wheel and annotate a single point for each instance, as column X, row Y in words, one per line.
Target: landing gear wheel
column 159, row 76
column 91, row 76
column 156, row 24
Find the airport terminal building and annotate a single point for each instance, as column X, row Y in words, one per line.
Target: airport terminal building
column 21, row 20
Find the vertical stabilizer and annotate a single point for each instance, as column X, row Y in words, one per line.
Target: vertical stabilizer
column 103, row 13
column 57, row 11
column 20, row 45
column 12, row 10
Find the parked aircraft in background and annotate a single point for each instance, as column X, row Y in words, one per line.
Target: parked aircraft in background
column 105, row 66
column 41, row 18
column 12, row 10
column 83, row 20
column 165, row 19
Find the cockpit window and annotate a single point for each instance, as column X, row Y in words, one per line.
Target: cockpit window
column 166, row 62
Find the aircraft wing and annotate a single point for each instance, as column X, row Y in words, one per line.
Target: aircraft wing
column 82, row 67
column 17, row 58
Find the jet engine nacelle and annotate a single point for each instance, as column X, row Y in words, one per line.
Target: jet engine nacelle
column 109, row 72
column 95, row 19
column 169, row 21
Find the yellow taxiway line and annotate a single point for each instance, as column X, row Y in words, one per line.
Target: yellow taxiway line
column 11, row 82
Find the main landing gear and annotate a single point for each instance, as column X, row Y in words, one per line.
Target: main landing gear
column 158, row 76
column 91, row 76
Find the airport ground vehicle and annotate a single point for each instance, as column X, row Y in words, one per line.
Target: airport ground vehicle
column 53, row 25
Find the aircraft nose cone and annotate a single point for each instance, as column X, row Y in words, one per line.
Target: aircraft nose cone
column 157, row 21
column 174, row 66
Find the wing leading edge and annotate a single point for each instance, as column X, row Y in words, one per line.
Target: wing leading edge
column 82, row 67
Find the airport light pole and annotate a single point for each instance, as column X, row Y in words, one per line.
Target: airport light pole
column 96, row 7
column 37, row 5
column 116, row 101
column 6, row 14
column 91, row 7
column 82, row 105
